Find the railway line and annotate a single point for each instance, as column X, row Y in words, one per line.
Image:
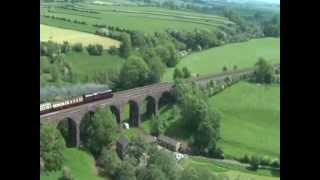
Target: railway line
column 140, row 92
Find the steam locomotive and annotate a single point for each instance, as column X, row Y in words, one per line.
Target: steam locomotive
column 85, row 98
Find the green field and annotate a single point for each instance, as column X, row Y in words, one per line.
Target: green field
column 143, row 19
column 233, row 172
column 60, row 35
column 240, row 54
column 250, row 120
column 81, row 165
column 86, row 66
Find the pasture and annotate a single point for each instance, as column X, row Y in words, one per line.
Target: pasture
column 242, row 55
column 80, row 163
column 250, row 120
column 143, row 19
column 60, row 35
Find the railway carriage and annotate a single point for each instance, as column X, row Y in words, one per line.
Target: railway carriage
column 50, row 107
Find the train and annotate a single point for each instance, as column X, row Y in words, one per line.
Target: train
column 49, row 107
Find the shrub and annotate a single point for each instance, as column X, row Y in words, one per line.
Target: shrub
column 265, row 161
column 77, row 47
column 275, row 163
column 95, row 50
column 224, row 69
column 245, row 159
column 66, row 174
column 254, row 162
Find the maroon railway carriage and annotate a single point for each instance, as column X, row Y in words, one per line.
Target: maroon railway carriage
column 51, row 107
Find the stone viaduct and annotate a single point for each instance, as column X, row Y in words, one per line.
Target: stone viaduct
column 134, row 97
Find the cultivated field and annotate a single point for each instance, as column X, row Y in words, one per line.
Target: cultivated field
column 250, row 119
column 60, row 35
column 81, row 165
column 241, row 54
column 135, row 18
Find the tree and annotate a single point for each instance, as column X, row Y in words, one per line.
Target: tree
column 164, row 54
column 77, row 47
column 173, row 61
column 157, row 69
column 254, row 162
column 95, row 50
column 98, row 131
column 186, row 72
column 126, row 46
column 164, row 161
column 151, row 173
column 177, row 74
column 65, row 48
column 110, row 161
column 52, row 146
column 137, row 39
column 224, row 69
column 197, row 118
column 126, row 171
column 264, row 72
column 134, row 72
column 136, row 151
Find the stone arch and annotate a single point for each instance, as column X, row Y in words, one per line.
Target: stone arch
column 134, row 114
column 116, row 112
column 69, row 130
column 166, row 98
column 151, row 106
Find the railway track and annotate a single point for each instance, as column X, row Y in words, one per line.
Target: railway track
column 148, row 89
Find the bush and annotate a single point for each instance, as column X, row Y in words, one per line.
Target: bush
column 66, row 174
column 245, row 159
column 275, row 163
column 265, row 161
column 65, row 48
column 186, row 72
column 254, row 163
column 224, row 69
column 77, row 47
column 95, row 50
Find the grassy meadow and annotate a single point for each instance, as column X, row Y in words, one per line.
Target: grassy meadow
column 81, row 164
column 250, row 119
column 60, row 35
column 242, row 55
column 222, row 169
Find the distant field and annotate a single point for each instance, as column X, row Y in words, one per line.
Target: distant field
column 143, row 19
column 241, row 54
column 59, row 35
column 81, row 165
column 250, row 119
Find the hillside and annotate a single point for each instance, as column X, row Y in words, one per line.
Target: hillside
column 250, row 120
column 242, row 55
